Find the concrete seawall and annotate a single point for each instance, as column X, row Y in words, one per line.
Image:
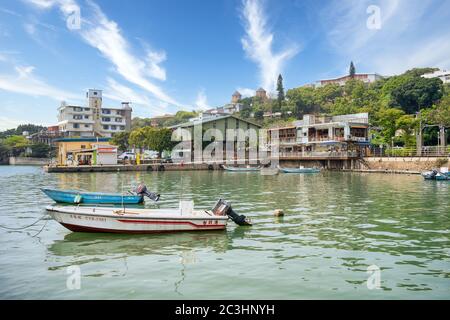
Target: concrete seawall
column 141, row 167
column 411, row 164
column 28, row 161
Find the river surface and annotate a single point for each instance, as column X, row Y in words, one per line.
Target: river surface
column 336, row 227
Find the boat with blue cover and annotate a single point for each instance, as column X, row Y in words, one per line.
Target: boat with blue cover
column 85, row 197
column 300, row 170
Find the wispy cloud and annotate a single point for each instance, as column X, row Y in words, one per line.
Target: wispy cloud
column 8, row 123
column 258, row 45
column 246, row 92
column 119, row 92
column 23, row 81
column 106, row 36
column 202, row 101
column 407, row 38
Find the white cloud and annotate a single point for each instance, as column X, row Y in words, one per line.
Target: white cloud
column 246, row 92
column 118, row 92
column 8, row 123
column 24, row 82
column 106, row 36
column 258, row 43
column 411, row 34
column 202, row 101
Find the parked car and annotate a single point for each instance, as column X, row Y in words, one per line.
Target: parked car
column 167, row 160
column 127, row 156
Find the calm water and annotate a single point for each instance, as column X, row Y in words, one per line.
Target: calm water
column 336, row 225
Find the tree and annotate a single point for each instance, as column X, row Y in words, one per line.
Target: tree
column 352, row 70
column 40, row 150
column 387, row 120
column 17, row 144
column 4, row 151
column 120, row 139
column 280, row 90
column 416, row 93
column 159, row 139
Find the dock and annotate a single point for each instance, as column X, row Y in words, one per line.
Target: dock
column 131, row 167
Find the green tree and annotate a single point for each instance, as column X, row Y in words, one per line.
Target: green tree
column 280, row 90
column 4, row 151
column 416, row 93
column 17, row 144
column 120, row 139
column 40, row 150
column 159, row 139
column 387, row 120
column 352, row 70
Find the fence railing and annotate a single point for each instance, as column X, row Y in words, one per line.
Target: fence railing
column 315, row 154
column 433, row 151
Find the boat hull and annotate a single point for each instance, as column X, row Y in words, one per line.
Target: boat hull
column 133, row 221
column 236, row 169
column 75, row 196
column 298, row 170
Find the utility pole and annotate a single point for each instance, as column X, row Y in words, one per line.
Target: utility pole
column 419, row 138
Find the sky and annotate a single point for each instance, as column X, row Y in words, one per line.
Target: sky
column 169, row 55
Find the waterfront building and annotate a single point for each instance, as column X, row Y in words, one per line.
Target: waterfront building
column 93, row 119
column 364, row 77
column 46, row 136
column 85, row 151
column 444, row 75
column 324, row 134
column 226, row 124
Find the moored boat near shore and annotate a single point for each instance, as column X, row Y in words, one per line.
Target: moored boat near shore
column 132, row 220
column 434, row 174
column 241, row 169
column 300, row 170
column 85, row 197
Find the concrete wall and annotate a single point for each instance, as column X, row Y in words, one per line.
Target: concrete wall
column 28, row 161
column 403, row 163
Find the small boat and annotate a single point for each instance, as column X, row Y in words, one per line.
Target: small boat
column 300, row 170
column 85, row 197
column 269, row 171
column 436, row 175
column 241, row 169
column 130, row 220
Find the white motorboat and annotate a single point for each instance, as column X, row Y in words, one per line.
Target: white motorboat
column 131, row 220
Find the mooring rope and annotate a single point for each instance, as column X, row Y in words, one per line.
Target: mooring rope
column 25, row 227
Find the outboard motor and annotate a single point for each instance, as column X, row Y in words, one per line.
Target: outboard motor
column 222, row 208
column 142, row 191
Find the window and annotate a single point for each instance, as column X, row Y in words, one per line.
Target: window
column 77, row 109
column 86, row 126
column 106, row 111
column 118, row 119
column 113, row 127
column 106, row 119
column 76, row 125
column 87, row 109
column 77, row 117
column 122, row 127
column 105, row 127
column 86, row 117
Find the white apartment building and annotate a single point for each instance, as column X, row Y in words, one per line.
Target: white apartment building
column 444, row 75
column 93, row 119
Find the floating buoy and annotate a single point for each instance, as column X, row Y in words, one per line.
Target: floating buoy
column 278, row 213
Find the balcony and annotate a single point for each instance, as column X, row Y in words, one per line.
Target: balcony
column 314, row 155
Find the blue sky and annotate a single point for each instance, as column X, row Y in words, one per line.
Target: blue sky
column 169, row 55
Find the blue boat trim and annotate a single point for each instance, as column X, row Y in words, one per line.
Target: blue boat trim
column 79, row 196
